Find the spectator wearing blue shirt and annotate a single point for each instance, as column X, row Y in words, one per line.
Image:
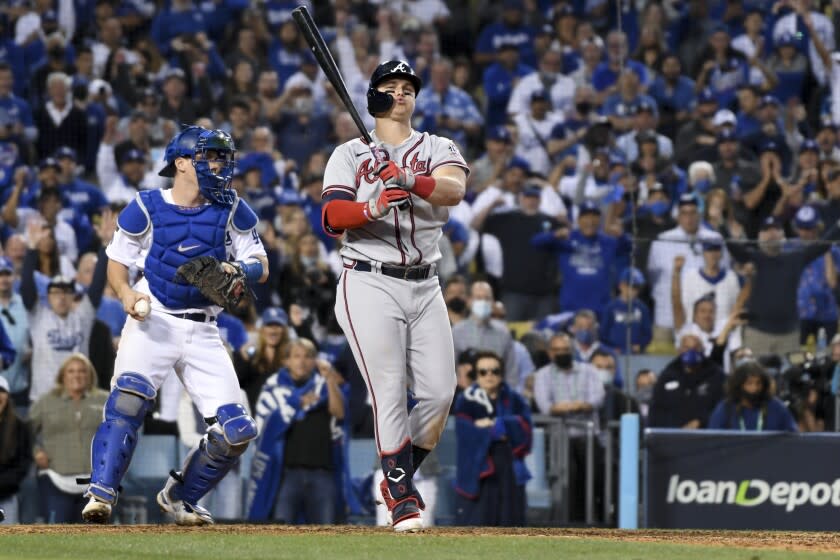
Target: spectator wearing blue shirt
column 232, row 330
column 510, row 30
column 749, row 405
column 815, row 299
column 17, row 110
column 498, row 81
column 182, row 18
column 620, row 106
column 284, row 53
column 674, row 95
column 605, row 76
column 12, row 55
column 445, row 109
column 299, row 131
column 723, row 69
column 790, row 67
column 747, row 124
column 84, row 196
column 627, row 312
column 587, row 259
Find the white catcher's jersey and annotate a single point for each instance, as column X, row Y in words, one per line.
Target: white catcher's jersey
column 403, row 237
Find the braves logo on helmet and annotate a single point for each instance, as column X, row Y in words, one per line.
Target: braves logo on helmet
column 379, row 101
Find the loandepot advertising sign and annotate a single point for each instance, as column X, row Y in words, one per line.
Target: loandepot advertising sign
column 753, row 493
column 731, row 480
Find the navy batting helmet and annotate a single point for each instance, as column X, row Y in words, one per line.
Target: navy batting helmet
column 380, row 102
column 181, row 145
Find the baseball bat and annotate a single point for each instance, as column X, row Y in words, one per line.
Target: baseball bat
column 327, row 63
column 325, row 60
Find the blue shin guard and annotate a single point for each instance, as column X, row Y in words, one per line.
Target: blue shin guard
column 115, row 440
column 216, row 454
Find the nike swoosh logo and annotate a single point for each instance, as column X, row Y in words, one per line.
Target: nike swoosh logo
column 181, row 248
column 242, row 429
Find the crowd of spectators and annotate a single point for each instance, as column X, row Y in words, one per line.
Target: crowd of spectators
column 649, row 177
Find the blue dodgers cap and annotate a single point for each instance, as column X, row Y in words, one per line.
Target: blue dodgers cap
column 646, row 105
column 499, row 134
column 687, row 199
column 786, row 40
column 769, row 100
column 589, row 207
column 806, row 217
column 6, row 265
column 133, row 155
column 275, row 316
column 65, row 152
column 706, row 96
column 540, row 95
column 770, row 145
column 522, row 164
column 290, row 197
column 531, row 190
column 809, row 145
column 713, row 245
column 632, row 276
column 727, row 135
column 771, row 222
column 46, row 163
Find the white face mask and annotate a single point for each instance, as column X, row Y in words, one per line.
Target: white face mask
column 481, row 308
column 605, row 375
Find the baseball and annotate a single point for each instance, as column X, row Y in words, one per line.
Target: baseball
column 141, row 307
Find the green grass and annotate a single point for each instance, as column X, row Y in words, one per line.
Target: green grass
column 206, row 546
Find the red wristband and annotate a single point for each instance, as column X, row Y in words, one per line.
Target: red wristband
column 423, row 186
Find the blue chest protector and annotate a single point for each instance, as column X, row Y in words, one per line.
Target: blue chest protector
column 178, row 235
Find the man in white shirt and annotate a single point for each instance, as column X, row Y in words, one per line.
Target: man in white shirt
column 536, row 129
column 560, row 88
column 684, row 240
column 711, row 278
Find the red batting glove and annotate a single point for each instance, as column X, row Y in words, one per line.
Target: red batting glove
column 394, row 176
column 388, row 198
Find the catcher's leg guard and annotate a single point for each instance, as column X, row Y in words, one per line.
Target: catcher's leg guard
column 403, row 501
column 115, row 440
column 216, row 454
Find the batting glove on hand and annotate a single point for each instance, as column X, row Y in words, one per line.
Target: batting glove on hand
column 389, row 198
column 394, row 176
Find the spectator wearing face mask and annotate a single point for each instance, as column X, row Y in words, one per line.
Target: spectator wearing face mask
column 480, row 332
column 627, row 313
column 645, row 381
column 584, row 330
column 749, row 405
column 570, row 389
column 687, row 390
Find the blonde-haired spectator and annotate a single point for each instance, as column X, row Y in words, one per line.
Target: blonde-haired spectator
column 63, row 423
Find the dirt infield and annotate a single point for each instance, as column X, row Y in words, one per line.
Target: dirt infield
column 771, row 540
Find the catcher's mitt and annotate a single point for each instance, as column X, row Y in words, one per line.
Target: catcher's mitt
column 223, row 288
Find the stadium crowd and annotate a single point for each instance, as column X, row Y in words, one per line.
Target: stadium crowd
column 647, row 177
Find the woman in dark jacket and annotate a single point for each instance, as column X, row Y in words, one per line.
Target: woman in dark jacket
column 749, row 406
column 494, row 431
column 15, row 454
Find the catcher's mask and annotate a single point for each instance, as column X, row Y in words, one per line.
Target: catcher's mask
column 215, row 147
column 381, row 102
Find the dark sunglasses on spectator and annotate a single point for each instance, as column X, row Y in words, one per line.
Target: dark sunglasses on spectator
column 495, row 371
column 833, row 175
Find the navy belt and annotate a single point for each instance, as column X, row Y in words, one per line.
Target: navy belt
column 419, row 272
column 197, row 317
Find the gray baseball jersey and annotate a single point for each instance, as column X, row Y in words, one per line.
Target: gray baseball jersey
column 404, row 237
column 398, row 329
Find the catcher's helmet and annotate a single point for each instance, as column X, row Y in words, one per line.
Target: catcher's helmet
column 380, row 102
column 181, row 145
column 215, row 146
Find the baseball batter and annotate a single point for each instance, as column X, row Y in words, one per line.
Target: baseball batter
column 390, row 209
column 160, row 230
